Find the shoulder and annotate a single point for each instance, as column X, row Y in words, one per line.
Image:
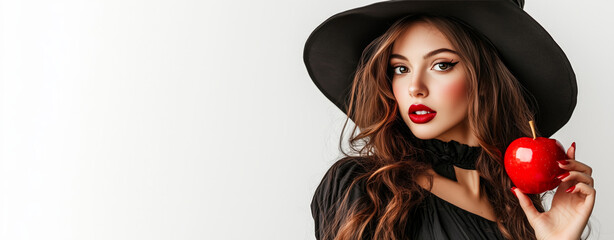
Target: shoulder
column 347, row 168
column 339, row 179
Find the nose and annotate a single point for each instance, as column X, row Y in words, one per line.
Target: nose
column 417, row 88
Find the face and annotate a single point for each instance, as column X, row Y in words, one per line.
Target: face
column 430, row 85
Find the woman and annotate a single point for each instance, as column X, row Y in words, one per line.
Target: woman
column 436, row 106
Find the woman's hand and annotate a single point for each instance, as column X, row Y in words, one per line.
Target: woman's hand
column 571, row 206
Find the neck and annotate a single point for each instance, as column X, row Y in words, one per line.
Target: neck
column 461, row 134
column 467, row 139
column 468, row 179
column 472, row 142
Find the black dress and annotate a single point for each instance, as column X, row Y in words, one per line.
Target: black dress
column 433, row 218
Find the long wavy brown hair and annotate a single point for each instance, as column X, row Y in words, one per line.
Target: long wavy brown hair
column 498, row 113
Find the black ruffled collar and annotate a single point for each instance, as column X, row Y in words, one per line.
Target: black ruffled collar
column 444, row 155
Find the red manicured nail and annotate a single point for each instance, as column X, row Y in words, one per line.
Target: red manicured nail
column 570, row 189
column 564, row 175
column 574, row 145
column 563, row 162
column 512, row 189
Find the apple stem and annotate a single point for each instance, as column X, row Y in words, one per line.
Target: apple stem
column 533, row 129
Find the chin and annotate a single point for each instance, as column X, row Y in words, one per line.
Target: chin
column 424, row 135
column 438, row 130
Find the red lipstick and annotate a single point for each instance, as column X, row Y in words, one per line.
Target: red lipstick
column 419, row 113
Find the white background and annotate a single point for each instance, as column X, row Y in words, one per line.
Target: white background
column 127, row 119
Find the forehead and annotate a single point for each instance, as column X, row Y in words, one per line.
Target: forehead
column 420, row 37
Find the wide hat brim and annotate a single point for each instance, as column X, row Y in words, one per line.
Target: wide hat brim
column 333, row 50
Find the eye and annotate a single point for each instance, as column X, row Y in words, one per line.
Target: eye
column 400, row 69
column 444, row 66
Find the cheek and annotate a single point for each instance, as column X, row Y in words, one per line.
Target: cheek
column 401, row 96
column 456, row 92
column 397, row 91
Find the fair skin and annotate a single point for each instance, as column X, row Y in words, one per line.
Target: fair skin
column 434, row 82
column 427, row 71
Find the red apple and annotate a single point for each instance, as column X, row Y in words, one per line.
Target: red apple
column 531, row 163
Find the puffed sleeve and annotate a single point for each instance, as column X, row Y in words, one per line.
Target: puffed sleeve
column 331, row 190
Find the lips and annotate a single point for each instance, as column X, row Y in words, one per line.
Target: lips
column 419, row 113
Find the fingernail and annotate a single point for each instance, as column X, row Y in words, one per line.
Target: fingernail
column 513, row 191
column 573, row 145
column 564, row 175
column 563, row 162
column 570, row 189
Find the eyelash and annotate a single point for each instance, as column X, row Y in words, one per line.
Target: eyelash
column 450, row 66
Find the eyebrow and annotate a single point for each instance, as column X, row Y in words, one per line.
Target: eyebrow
column 430, row 54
